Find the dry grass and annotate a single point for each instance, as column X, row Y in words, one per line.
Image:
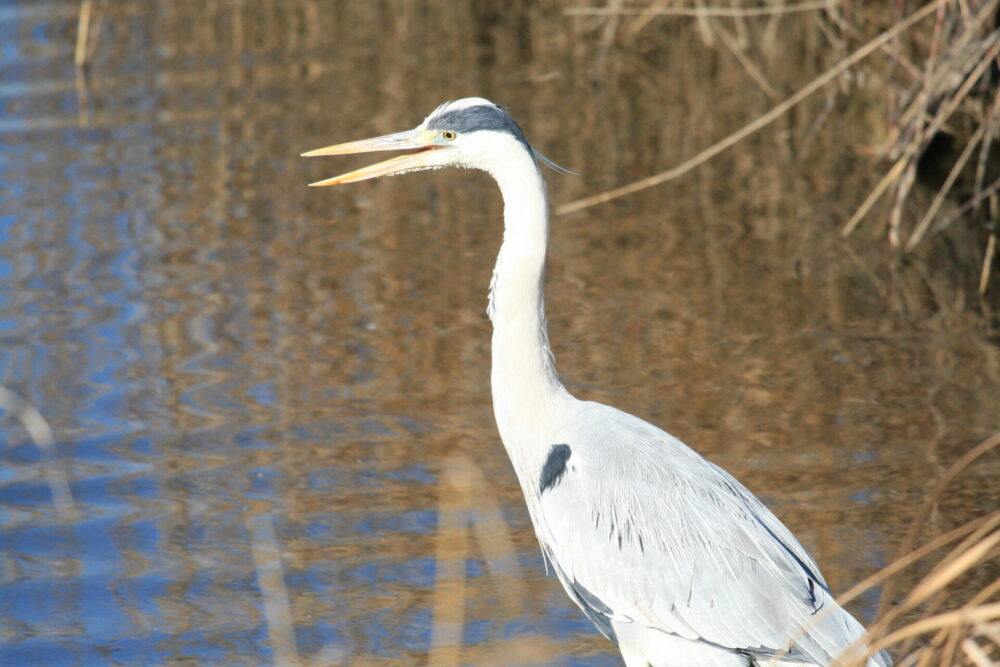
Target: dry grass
column 939, row 64
column 758, row 123
column 940, row 621
column 952, row 93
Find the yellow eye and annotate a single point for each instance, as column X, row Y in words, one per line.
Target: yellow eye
column 449, row 135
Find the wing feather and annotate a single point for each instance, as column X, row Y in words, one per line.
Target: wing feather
column 665, row 539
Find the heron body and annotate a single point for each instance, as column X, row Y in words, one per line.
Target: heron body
column 668, row 555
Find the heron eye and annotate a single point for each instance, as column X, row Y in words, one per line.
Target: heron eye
column 449, row 135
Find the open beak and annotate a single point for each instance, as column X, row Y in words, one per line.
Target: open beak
column 421, row 140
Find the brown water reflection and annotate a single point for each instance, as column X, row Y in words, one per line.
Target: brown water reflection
column 237, row 366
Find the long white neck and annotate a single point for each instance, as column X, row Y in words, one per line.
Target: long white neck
column 526, row 388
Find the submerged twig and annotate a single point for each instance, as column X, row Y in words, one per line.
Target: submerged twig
column 88, row 28
column 274, row 594
column 41, row 434
column 81, row 54
column 80, row 60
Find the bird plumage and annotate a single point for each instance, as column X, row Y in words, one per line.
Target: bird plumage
column 718, row 567
column 671, row 557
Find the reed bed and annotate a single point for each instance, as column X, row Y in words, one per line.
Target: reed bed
column 938, row 61
column 942, row 83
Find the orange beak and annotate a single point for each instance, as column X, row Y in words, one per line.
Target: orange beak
column 420, row 140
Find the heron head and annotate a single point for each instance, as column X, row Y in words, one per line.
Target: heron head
column 471, row 132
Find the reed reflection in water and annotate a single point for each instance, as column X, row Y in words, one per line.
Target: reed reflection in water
column 272, row 404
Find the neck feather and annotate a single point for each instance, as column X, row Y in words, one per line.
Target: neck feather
column 524, row 379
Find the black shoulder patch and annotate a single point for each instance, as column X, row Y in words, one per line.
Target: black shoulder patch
column 554, row 468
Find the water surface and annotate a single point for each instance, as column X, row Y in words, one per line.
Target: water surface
column 271, row 403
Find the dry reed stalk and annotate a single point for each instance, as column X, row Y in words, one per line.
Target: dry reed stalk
column 950, row 626
column 975, row 653
column 730, row 42
column 701, row 12
column 890, row 177
column 702, row 24
column 954, row 69
column 956, row 564
column 971, row 203
column 935, row 84
column 992, row 125
column 607, row 38
column 950, row 635
column 958, row 50
column 984, row 272
column 933, row 498
column 903, row 187
column 951, row 619
column 948, row 638
column 642, row 20
column 925, row 222
column 917, row 139
column 88, row 29
column 760, row 122
column 984, row 59
column 973, row 527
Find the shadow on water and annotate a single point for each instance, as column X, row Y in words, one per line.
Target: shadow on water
column 272, row 403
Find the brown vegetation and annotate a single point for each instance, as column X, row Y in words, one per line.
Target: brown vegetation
column 938, row 63
column 940, row 621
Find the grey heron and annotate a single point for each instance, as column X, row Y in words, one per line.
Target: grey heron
column 667, row 554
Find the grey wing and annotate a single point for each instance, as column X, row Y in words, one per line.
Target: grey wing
column 644, row 530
